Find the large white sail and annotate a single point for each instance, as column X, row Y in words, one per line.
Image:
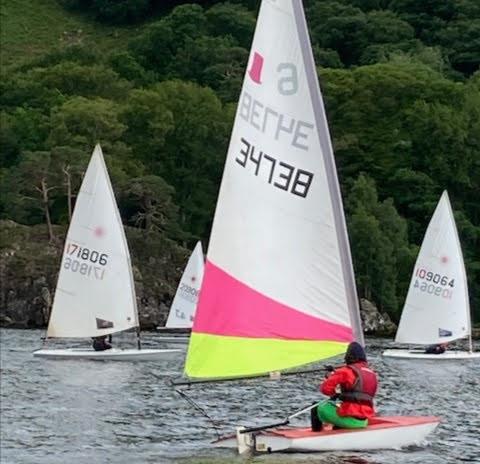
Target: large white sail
column 95, row 292
column 437, row 309
column 278, row 289
column 184, row 304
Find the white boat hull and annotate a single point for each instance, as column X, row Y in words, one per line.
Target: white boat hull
column 420, row 354
column 381, row 433
column 113, row 354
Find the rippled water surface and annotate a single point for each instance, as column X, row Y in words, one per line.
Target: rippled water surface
column 123, row 412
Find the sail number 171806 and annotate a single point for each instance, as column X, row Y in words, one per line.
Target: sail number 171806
column 86, row 262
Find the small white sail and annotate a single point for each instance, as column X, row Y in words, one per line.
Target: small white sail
column 437, row 309
column 184, row 304
column 95, row 292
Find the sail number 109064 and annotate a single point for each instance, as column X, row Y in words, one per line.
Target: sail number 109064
column 439, row 285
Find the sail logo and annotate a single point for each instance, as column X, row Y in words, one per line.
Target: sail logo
column 255, row 72
column 103, row 324
column 287, row 83
column 444, row 333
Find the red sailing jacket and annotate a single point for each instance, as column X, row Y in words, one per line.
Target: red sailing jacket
column 346, row 377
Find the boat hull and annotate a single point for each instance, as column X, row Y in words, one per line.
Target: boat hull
column 110, row 355
column 382, row 433
column 420, row 354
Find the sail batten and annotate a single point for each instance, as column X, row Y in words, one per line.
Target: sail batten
column 278, row 289
column 95, row 290
column 437, row 308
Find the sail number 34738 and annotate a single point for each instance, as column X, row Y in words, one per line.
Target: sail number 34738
column 277, row 173
column 434, row 284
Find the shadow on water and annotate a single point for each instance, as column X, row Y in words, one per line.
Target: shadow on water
column 97, row 412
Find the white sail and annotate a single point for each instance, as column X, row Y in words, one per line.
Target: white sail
column 184, row 304
column 95, row 292
column 278, row 276
column 437, row 309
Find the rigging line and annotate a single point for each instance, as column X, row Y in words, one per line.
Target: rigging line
column 215, row 423
column 199, row 408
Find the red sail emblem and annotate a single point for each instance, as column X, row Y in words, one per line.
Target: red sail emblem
column 255, row 70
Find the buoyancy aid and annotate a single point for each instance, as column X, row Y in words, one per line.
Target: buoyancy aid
column 364, row 388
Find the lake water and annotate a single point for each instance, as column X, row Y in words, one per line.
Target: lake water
column 98, row 412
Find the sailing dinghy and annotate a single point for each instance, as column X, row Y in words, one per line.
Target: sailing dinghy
column 184, row 306
column 437, row 308
column 278, row 289
column 95, row 294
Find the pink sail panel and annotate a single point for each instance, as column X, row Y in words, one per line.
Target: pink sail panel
column 229, row 307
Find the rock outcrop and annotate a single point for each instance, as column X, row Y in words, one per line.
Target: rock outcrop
column 375, row 322
column 29, row 267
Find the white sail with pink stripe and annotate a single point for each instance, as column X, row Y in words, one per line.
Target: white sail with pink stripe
column 278, row 289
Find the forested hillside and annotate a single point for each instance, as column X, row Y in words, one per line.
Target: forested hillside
column 156, row 83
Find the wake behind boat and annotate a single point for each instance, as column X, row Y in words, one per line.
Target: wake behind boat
column 279, row 288
column 95, row 294
column 437, row 309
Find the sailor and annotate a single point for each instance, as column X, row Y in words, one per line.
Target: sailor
column 436, row 349
column 101, row 344
column 351, row 389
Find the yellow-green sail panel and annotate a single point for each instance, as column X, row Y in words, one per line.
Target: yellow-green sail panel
column 218, row 356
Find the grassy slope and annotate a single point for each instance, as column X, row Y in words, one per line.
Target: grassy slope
column 30, row 28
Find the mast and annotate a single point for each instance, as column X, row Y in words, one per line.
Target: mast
column 464, row 274
column 333, row 184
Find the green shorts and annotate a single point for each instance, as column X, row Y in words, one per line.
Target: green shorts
column 327, row 412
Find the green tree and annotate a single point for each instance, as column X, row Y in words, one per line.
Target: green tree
column 87, row 81
column 68, row 165
column 156, row 48
column 227, row 19
column 192, row 155
column 34, row 181
column 126, row 66
column 151, row 202
column 9, row 143
column 382, row 256
column 147, row 122
column 82, row 123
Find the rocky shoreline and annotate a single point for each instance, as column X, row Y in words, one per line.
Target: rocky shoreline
column 29, row 266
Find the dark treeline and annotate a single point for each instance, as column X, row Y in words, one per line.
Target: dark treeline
column 402, row 90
